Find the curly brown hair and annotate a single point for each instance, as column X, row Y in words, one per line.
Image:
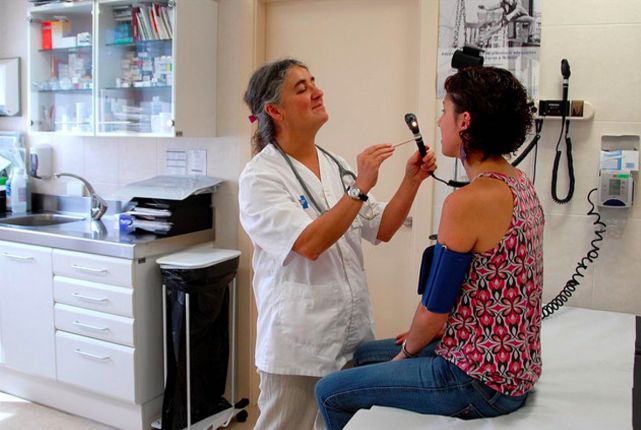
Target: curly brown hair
column 500, row 113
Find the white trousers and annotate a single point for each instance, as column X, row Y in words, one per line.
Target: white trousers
column 287, row 402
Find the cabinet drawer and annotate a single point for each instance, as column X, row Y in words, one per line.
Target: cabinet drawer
column 98, row 366
column 95, row 296
column 97, row 268
column 94, row 324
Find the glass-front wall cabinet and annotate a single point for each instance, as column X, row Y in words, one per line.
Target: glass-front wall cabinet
column 123, row 67
column 103, row 67
column 135, row 68
column 61, row 69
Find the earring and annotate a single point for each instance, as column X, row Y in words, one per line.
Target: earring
column 461, row 152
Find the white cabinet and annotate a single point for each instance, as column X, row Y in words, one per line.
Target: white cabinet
column 123, row 67
column 108, row 325
column 96, row 365
column 82, row 333
column 26, row 309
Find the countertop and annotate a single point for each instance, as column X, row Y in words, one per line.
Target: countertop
column 99, row 237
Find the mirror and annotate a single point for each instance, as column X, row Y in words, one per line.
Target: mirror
column 9, row 86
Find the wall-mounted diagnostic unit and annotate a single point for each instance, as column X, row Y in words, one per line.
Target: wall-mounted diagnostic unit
column 619, row 163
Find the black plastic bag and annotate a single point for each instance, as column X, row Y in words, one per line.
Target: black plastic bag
column 209, row 342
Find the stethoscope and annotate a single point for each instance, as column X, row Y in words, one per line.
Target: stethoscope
column 347, row 176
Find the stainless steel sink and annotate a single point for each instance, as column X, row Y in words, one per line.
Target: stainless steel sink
column 38, row 220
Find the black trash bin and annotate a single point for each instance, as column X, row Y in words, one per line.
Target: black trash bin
column 197, row 335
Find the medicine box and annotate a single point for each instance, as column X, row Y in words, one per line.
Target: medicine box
column 46, row 35
column 620, row 160
column 58, row 31
column 83, row 39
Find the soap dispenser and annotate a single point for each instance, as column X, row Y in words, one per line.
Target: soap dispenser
column 41, row 161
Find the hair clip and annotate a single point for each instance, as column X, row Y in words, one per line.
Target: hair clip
column 252, row 119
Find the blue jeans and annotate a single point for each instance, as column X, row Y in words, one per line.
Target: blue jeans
column 427, row 384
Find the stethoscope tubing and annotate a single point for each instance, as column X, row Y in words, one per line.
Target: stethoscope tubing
column 341, row 171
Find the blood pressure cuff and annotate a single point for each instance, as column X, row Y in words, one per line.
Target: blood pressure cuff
column 441, row 276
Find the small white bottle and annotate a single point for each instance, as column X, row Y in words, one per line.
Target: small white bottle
column 17, row 191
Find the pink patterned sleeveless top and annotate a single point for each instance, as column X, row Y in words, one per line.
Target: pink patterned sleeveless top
column 493, row 332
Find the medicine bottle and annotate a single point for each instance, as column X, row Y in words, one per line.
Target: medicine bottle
column 17, row 191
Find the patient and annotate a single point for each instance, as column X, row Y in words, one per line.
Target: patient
column 484, row 282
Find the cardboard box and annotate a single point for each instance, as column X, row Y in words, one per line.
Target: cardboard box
column 46, row 35
column 83, row 39
column 58, row 31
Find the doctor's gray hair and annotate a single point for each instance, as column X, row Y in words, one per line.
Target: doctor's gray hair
column 265, row 87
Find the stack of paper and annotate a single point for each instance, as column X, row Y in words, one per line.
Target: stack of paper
column 152, row 219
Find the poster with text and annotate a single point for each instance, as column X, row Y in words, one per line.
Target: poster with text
column 507, row 31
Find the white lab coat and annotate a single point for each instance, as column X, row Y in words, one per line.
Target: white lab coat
column 311, row 314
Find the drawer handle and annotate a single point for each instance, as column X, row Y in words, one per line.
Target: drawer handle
column 90, row 299
column 95, row 357
column 17, row 257
column 89, row 269
column 90, row 327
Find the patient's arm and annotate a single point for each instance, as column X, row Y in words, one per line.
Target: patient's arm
column 400, row 338
column 426, row 326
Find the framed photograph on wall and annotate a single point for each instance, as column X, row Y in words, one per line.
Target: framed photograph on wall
column 508, row 32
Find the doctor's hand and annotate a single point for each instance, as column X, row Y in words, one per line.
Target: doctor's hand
column 368, row 162
column 417, row 168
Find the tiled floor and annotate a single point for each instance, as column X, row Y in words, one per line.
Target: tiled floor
column 19, row 414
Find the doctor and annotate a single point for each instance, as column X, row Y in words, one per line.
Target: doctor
column 306, row 213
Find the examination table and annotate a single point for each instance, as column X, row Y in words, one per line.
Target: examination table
column 591, row 380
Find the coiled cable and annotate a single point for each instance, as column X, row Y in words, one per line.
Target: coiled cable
column 570, row 286
column 555, row 171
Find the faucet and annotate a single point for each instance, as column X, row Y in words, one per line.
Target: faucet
column 98, row 204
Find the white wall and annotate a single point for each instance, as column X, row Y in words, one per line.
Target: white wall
column 600, row 40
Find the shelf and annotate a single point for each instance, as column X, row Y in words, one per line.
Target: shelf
column 139, row 43
column 77, row 91
column 72, row 9
column 156, row 87
column 71, row 49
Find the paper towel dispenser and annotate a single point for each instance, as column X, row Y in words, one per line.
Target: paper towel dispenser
column 9, row 86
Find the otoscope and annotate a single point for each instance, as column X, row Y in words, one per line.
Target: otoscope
column 565, row 72
column 565, row 126
column 412, row 123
